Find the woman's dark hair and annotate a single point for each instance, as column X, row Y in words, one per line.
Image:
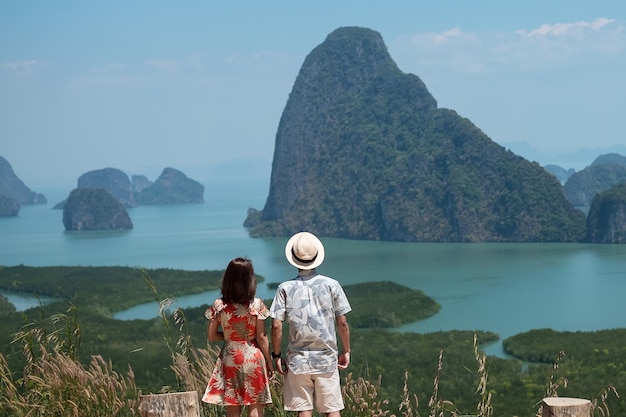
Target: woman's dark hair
column 239, row 282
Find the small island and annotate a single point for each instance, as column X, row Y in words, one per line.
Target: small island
column 94, row 209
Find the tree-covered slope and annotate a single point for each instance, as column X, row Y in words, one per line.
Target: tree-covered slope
column 363, row 152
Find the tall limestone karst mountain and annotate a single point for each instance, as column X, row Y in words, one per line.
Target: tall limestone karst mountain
column 363, row 152
column 605, row 172
column 13, row 188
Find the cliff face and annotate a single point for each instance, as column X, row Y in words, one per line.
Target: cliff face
column 605, row 172
column 8, row 206
column 12, row 187
column 363, row 152
column 94, row 209
column 606, row 221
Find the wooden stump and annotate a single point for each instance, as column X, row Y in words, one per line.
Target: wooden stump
column 566, row 407
column 175, row 404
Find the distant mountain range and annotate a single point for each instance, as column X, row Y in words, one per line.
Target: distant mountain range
column 577, row 160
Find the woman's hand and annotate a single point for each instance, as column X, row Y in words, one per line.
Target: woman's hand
column 281, row 366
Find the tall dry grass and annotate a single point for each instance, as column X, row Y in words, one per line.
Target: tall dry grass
column 55, row 383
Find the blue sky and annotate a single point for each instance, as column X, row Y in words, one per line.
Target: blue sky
column 198, row 85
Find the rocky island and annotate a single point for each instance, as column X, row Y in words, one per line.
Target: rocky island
column 172, row 187
column 362, row 151
column 102, row 196
column 94, row 209
column 113, row 181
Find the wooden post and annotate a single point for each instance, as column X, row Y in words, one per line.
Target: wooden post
column 174, row 404
column 565, row 407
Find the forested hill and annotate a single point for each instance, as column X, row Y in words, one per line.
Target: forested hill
column 363, row 152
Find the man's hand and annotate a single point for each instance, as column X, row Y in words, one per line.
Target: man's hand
column 344, row 360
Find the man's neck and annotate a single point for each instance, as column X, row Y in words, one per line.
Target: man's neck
column 305, row 272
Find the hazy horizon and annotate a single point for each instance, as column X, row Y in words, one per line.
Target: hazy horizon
column 261, row 168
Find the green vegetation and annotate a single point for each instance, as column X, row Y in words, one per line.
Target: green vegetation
column 384, row 305
column 53, row 356
column 109, row 288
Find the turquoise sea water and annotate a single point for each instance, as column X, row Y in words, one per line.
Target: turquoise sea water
column 505, row 288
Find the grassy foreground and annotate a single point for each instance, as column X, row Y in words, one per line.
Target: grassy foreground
column 73, row 358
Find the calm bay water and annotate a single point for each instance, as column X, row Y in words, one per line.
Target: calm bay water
column 505, row 288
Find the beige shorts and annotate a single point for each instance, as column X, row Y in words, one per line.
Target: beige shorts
column 304, row 391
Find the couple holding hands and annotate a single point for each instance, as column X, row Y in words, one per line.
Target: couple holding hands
column 313, row 305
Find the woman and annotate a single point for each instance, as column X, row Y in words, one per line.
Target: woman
column 242, row 370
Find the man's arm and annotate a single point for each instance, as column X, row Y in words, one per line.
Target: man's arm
column 344, row 335
column 277, row 336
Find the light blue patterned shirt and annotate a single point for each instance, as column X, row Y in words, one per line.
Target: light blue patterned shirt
column 310, row 304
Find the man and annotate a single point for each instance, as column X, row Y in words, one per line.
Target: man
column 312, row 304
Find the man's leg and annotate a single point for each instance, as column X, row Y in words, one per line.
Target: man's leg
column 298, row 392
column 328, row 398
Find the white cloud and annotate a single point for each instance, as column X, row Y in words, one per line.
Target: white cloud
column 20, row 68
column 547, row 46
column 566, row 29
column 445, row 36
column 437, row 40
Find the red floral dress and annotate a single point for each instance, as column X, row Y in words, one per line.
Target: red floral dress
column 239, row 376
